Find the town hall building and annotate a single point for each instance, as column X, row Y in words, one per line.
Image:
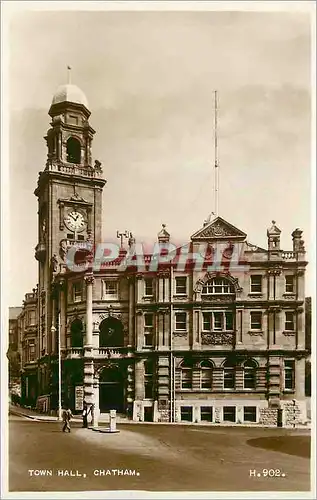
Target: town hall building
column 209, row 336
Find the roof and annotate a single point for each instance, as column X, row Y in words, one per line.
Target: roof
column 70, row 93
column 14, row 312
column 218, row 229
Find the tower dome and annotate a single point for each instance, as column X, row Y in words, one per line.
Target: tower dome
column 70, row 93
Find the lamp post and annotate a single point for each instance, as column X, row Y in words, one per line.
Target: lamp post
column 53, row 331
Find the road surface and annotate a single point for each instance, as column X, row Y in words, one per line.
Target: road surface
column 156, row 458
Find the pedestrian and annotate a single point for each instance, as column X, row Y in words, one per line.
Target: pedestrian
column 85, row 415
column 67, row 415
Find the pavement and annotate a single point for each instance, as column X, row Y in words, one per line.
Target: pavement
column 32, row 414
column 156, row 458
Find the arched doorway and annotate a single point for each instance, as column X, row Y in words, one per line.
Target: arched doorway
column 111, row 389
column 111, row 333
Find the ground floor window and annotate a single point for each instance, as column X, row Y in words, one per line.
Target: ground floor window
column 249, row 414
column 187, row 413
column 206, row 413
column 229, row 413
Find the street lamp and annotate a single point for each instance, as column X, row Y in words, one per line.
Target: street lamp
column 53, row 331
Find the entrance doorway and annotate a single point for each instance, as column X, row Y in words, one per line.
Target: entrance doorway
column 148, row 414
column 111, row 390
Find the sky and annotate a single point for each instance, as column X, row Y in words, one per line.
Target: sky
column 150, row 78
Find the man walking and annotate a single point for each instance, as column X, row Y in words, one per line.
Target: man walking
column 67, row 415
column 85, row 415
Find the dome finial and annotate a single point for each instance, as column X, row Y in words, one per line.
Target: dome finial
column 69, row 75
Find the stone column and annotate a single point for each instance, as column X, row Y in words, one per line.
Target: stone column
column 300, row 325
column 160, row 288
column 88, row 350
column 140, row 285
column 131, row 312
column 139, row 379
column 196, row 328
column 166, row 289
column 89, row 279
column 239, row 326
column 160, row 319
column 139, row 330
column 300, row 378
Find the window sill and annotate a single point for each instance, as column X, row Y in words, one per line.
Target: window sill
column 289, row 294
column 182, row 295
column 255, row 294
column 289, row 333
column 110, row 298
column 255, row 332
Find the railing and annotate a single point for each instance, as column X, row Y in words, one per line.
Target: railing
column 74, row 352
column 111, row 353
column 288, row 255
column 73, row 169
column 99, row 352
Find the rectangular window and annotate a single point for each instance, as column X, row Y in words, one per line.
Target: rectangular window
column 205, row 378
column 110, row 289
column 218, row 321
column 229, row 413
column 186, row 378
column 148, row 379
column 148, row 287
column 249, row 378
column 77, row 291
column 207, row 322
column 256, row 284
column 229, row 320
column 186, row 413
column 249, row 414
column 217, row 286
column 181, row 285
column 148, row 329
column 206, row 413
column 30, row 351
column 229, row 378
column 256, row 320
column 181, row 321
column 289, row 284
column 289, row 321
column 289, row 374
column 32, row 318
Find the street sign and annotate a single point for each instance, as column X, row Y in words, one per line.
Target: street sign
column 79, row 397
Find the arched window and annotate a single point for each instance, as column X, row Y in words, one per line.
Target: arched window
column 249, row 374
column 229, row 375
column 205, row 374
column 111, row 333
column 76, row 333
column 186, row 374
column 218, row 286
column 73, row 150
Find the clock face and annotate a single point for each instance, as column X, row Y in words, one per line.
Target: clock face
column 75, row 221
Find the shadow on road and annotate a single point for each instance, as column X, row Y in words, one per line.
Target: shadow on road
column 291, row 445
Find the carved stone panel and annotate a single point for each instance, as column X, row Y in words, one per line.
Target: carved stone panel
column 217, row 338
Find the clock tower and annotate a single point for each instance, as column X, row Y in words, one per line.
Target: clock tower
column 69, row 193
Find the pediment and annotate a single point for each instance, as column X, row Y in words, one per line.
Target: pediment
column 219, row 229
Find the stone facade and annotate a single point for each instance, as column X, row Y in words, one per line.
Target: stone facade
column 214, row 334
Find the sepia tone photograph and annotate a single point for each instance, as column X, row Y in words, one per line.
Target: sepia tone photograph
column 158, row 262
